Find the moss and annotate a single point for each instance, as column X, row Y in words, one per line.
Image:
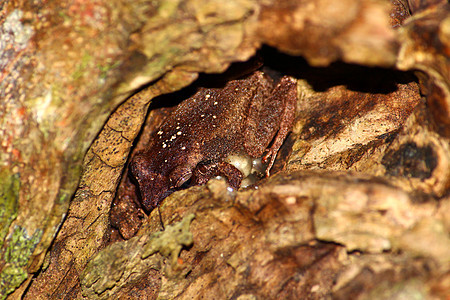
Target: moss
column 17, row 255
column 19, row 245
column 9, row 200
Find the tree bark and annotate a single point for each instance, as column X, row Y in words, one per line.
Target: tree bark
column 359, row 207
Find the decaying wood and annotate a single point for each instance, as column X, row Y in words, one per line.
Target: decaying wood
column 361, row 208
column 325, row 31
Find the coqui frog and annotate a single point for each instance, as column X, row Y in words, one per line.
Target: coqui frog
column 244, row 116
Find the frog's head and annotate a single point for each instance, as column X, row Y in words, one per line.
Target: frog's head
column 154, row 184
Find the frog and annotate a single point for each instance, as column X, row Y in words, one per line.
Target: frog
column 250, row 116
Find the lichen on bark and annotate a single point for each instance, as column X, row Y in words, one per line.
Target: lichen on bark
column 123, row 263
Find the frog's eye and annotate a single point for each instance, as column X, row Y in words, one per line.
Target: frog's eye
column 183, row 178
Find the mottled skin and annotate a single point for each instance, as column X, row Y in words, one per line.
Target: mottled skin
column 242, row 117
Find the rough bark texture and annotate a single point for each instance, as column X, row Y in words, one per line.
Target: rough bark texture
column 360, row 210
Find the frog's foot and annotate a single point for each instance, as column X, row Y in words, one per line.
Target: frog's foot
column 270, row 157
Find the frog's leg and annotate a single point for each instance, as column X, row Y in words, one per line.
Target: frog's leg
column 204, row 172
column 270, row 120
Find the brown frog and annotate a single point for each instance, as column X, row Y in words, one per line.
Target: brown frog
column 244, row 116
